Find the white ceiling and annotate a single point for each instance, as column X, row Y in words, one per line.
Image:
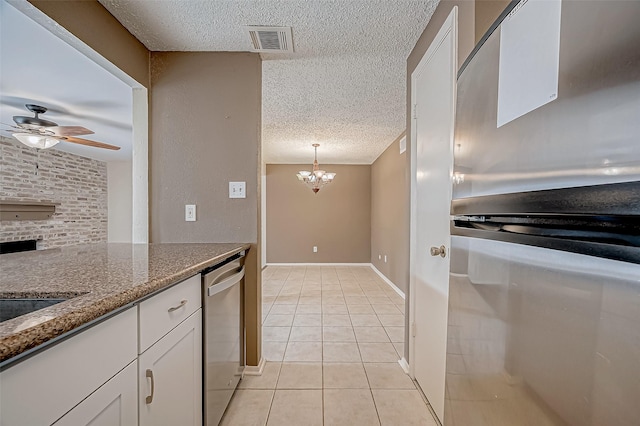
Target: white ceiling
column 343, row 87
column 38, row 67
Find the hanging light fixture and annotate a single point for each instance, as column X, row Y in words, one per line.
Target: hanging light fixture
column 36, row 141
column 316, row 178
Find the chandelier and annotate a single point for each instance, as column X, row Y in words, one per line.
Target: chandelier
column 316, row 178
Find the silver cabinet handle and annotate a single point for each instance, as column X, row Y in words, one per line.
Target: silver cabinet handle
column 149, row 375
column 439, row 251
column 175, row 308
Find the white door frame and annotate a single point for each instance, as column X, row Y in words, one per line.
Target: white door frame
column 450, row 24
column 140, row 118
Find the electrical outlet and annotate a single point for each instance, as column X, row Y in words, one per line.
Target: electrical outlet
column 379, row 256
column 237, row 190
column 385, row 258
column 190, row 213
column 315, row 249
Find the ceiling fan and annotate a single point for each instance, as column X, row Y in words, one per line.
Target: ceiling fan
column 39, row 133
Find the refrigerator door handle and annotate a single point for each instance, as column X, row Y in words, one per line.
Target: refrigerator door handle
column 439, row 251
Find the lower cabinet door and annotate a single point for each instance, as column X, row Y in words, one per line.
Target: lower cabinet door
column 170, row 377
column 113, row 404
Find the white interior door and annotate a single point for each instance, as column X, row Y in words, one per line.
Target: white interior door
column 433, row 97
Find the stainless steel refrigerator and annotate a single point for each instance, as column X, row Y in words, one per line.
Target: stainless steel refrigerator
column 544, row 300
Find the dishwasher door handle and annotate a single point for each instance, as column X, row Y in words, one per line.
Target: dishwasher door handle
column 226, row 283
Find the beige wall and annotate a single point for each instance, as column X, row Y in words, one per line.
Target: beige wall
column 487, row 11
column 389, row 210
column 94, row 25
column 205, row 132
column 205, row 127
column 337, row 219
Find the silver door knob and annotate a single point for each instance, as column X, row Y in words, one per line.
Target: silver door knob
column 439, row 251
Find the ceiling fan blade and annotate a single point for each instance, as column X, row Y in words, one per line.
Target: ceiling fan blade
column 88, row 142
column 68, row 130
column 13, row 126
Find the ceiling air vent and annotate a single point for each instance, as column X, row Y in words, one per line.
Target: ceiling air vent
column 271, row 39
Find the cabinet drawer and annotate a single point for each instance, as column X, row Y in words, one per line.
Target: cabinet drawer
column 39, row 390
column 164, row 311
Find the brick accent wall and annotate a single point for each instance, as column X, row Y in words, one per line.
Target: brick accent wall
column 79, row 184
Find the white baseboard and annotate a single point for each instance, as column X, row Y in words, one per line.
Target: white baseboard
column 255, row 370
column 380, row 274
column 404, row 364
column 318, row 264
column 387, row 280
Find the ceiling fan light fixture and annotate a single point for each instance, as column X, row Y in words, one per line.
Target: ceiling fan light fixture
column 34, row 122
column 42, row 134
column 36, row 141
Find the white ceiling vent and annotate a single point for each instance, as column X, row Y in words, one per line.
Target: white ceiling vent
column 271, row 39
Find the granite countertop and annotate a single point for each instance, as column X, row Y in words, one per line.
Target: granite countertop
column 99, row 278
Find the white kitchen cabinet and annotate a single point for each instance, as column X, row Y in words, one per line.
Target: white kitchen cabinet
column 98, row 376
column 41, row 389
column 170, row 376
column 113, row 404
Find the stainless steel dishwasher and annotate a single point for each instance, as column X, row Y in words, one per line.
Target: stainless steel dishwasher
column 223, row 331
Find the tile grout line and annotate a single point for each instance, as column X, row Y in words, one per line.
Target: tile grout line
column 273, row 397
column 332, row 282
column 365, row 370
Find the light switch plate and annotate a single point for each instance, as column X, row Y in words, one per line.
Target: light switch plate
column 190, row 213
column 237, row 190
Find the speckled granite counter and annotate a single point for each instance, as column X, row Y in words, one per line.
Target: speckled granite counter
column 99, row 278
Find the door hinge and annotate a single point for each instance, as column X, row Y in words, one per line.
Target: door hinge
column 413, row 329
column 415, row 111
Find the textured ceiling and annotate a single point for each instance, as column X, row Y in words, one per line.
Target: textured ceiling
column 343, row 87
column 53, row 74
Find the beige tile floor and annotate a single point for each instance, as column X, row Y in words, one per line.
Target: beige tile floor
column 332, row 337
